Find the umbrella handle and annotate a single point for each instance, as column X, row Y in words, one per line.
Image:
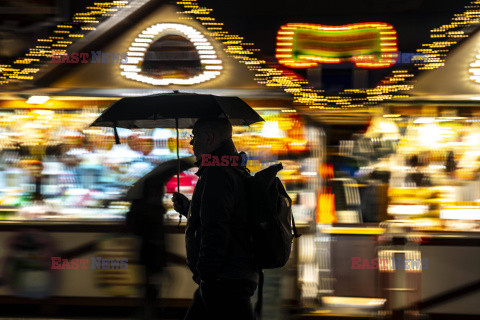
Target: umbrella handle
column 178, row 170
column 117, row 138
column 178, row 158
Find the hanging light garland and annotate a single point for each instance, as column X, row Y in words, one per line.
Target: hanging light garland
column 64, row 35
column 400, row 80
column 272, row 75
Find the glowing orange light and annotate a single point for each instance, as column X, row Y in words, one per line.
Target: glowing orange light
column 325, row 212
column 326, row 171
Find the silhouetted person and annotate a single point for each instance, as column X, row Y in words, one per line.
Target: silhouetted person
column 450, row 163
column 419, row 178
column 145, row 219
column 217, row 233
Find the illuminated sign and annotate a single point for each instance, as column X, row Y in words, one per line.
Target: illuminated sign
column 367, row 45
column 186, row 66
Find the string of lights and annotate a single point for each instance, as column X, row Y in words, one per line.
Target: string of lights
column 64, row 35
column 393, row 86
column 433, row 55
column 444, row 39
column 265, row 73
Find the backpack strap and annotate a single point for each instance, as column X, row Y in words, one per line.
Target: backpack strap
column 244, row 171
column 295, row 233
column 284, row 192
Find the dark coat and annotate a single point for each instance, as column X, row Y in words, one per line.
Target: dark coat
column 218, row 231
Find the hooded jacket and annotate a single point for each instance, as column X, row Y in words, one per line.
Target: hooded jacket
column 217, row 235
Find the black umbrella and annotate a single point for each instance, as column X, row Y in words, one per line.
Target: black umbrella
column 174, row 110
column 163, row 110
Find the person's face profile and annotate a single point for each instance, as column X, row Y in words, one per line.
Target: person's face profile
column 201, row 141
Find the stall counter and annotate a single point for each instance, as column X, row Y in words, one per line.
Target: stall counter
column 28, row 248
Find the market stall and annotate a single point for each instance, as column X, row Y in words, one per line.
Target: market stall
column 63, row 184
column 398, row 233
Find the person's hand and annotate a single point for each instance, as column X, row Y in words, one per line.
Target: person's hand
column 196, row 279
column 180, row 203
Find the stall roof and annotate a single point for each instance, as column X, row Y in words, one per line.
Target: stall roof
column 253, row 76
column 451, row 82
column 115, row 35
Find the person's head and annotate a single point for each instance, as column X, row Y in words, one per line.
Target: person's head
column 209, row 134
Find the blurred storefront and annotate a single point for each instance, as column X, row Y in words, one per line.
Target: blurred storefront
column 389, row 218
column 63, row 183
column 398, row 220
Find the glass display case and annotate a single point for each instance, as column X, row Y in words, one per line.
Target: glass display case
column 427, row 166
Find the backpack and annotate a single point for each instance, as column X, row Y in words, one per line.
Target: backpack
column 273, row 226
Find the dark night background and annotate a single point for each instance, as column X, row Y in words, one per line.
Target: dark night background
column 259, row 20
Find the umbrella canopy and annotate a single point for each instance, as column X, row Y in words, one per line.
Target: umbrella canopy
column 161, row 174
column 162, row 110
column 174, row 110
